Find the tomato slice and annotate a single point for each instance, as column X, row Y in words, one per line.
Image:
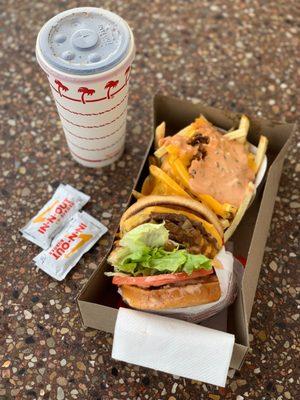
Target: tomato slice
column 159, row 280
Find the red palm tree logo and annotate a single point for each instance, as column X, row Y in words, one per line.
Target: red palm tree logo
column 85, row 91
column 109, row 86
column 60, row 87
column 127, row 74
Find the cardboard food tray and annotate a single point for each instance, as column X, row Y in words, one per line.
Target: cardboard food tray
column 98, row 301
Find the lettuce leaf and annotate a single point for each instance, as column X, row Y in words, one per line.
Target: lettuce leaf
column 149, row 235
column 165, row 261
column 192, row 260
column 141, row 252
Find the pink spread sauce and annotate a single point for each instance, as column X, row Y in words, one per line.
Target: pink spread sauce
column 224, row 172
column 185, row 150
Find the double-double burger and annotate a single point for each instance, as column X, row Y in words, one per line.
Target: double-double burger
column 164, row 258
column 201, row 181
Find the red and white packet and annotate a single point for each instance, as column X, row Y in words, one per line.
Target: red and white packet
column 43, row 227
column 74, row 240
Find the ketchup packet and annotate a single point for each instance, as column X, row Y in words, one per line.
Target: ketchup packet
column 75, row 239
column 65, row 202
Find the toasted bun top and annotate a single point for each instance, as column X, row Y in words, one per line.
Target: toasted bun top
column 191, row 205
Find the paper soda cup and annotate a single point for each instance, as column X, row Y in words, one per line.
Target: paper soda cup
column 87, row 54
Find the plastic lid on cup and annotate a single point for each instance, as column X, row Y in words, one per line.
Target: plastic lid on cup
column 84, row 41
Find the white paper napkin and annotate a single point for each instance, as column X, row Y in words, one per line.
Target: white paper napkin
column 172, row 346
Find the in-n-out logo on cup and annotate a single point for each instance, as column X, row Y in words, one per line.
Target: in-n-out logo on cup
column 70, row 243
column 85, row 92
column 47, row 218
column 61, row 87
column 89, row 74
column 112, row 88
column 94, row 119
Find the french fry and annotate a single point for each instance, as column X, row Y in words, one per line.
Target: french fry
column 241, row 133
column 223, row 210
column 201, row 122
column 188, row 131
column 225, row 223
column 181, row 171
column 261, row 151
column 162, row 151
column 160, row 132
column 191, row 129
column 233, row 135
column 160, row 175
column 137, row 194
column 148, row 185
column 162, row 189
column 175, row 153
column 240, row 212
column 159, row 153
column 171, row 149
column 244, row 127
column 167, row 167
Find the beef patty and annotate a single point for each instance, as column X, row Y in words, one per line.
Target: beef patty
column 191, row 234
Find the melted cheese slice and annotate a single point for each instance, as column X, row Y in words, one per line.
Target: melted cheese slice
column 142, row 215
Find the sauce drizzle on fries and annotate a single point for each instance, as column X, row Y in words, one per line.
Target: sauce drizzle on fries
column 171, row 171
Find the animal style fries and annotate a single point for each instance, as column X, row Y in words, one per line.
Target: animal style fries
column 202, row 162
